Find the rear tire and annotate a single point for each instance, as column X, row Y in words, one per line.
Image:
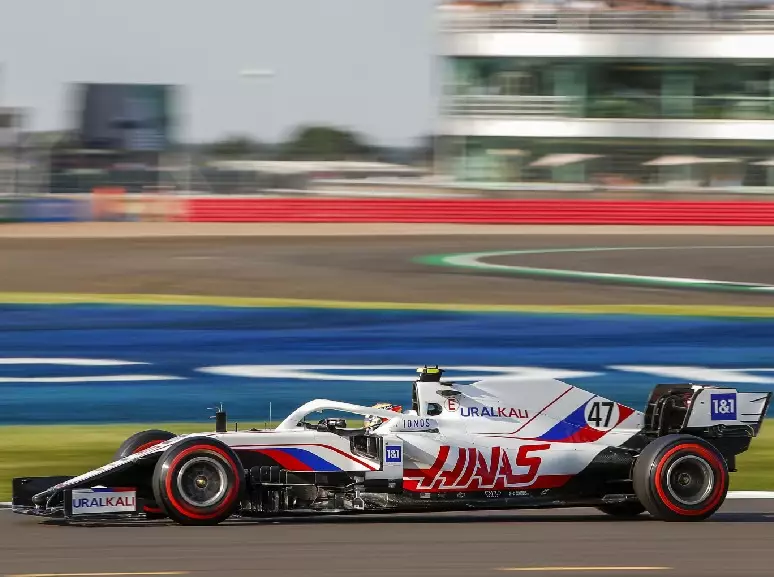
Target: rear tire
column 139, row 442
column 198, row 481
column 680, row 478
column 625, row 510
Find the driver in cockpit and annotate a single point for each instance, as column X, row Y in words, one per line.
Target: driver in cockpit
column 374, row 420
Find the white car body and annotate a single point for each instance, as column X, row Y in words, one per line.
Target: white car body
column 499, row 442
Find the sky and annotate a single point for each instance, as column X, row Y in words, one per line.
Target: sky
column 366, row 65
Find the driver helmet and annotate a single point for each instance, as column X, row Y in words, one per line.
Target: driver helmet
column 374, row 420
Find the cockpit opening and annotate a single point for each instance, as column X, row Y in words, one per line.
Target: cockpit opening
column 434, row 409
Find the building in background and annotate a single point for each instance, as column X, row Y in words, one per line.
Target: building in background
column 135, row 118
column 122, row 135
column 11, row 125
column 618, row 93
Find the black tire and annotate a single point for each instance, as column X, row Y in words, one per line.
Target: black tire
column 625, row 510
column 680, row 478
column 139, row 442
column 198, row 481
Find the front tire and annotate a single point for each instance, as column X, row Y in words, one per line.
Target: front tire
column 198, row 481
column 680, row 478
column 141, row 441
column 137, row 443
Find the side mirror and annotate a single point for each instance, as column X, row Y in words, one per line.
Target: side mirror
column 331, row 424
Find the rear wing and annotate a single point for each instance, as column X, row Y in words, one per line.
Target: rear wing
column 713, row 406
column 715, row 411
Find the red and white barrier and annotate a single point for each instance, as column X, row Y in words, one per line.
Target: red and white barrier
column 489, row 211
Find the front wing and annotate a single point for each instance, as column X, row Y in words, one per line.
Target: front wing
column 81, row 503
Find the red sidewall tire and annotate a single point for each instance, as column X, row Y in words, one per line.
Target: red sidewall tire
column 137, row 443
column 657, row 491
column 716, row 493
column 170, row 490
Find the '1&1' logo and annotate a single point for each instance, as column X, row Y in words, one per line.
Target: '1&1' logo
column 393, row 454
column 723, row 407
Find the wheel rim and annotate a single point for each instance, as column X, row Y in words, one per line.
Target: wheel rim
column 202, row 481
column 690, row 480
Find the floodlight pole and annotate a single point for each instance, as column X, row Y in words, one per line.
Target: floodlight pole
column 254, row 74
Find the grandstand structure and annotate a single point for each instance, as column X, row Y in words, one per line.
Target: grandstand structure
column 11, row 123
column 619, row 93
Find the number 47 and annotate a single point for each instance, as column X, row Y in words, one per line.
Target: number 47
column 595, row 413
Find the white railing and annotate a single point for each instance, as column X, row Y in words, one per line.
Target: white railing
column 565, row 20
column 497, row 105
column 694, row 107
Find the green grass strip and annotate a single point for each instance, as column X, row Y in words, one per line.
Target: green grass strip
column 74, row 449
column 40, row 451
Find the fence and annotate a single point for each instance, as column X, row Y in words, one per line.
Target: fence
column 29, row 171
column 518, row 167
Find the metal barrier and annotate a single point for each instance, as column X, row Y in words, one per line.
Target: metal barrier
column 43, row 209
column 103, row 205
column 608, row 20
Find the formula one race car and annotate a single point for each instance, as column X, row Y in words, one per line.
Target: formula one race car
column 500, row 443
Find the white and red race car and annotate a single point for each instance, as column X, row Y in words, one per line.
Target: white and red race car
column 499, row 443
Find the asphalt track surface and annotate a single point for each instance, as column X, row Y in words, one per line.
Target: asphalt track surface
column 381, row 268
column 735, row 542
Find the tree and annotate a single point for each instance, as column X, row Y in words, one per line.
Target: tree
column 324, row 143
column 233, row 147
